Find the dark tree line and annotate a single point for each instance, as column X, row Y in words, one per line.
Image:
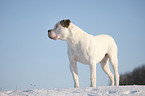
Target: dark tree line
column 136, row 77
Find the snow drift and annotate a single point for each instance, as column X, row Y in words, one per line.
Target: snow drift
column 98, row 91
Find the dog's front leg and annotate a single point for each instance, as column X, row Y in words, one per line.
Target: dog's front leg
column 93, row 74
column 74, row 71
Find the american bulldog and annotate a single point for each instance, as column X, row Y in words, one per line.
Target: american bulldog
column 87, row 49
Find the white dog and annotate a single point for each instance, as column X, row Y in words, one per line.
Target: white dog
column 87, row 49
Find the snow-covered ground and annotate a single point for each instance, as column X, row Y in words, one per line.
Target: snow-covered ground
column 98, row 91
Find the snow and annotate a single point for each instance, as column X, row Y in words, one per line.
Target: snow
column 98, row 91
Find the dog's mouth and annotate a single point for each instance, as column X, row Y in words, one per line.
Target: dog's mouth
column 50, row 37
column 53, row 36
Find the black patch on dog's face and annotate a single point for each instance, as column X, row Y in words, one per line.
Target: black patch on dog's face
column 65, row 23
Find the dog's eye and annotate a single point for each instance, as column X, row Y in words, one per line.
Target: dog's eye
column 56, row 26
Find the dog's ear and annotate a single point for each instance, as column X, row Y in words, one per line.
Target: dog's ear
column 65, row 23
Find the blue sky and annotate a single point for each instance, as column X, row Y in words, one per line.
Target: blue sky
column 29, row 59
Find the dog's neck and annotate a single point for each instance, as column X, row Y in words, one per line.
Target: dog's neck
column 76, row 34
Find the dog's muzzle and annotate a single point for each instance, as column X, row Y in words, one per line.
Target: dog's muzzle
column 52, row 35
column 49, row 31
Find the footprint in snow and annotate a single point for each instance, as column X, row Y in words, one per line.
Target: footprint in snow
column 131, row 92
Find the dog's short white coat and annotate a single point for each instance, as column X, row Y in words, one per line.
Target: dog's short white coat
column 88, row 49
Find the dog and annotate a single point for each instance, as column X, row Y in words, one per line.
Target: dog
column 87, row 49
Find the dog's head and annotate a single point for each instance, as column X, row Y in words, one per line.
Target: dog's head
column 60, row 30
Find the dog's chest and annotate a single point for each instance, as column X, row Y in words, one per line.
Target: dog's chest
column 79, row 52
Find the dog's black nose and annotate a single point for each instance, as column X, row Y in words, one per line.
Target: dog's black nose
column 49, row 31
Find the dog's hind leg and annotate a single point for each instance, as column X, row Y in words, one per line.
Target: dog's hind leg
column 114, row 62
column 105, row 67
column 112, row 53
